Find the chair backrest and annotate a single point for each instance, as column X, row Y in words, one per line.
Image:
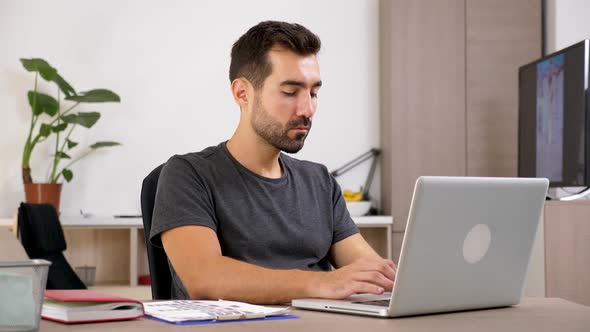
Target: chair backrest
column 42, row 237
column 161, row 279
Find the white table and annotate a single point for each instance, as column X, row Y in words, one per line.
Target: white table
column 104, row 222
column 134, row 224
column 385, row 222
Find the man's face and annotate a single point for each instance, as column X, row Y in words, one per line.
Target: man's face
column 283, row 108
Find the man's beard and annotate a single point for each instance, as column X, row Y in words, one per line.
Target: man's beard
column 274, row 133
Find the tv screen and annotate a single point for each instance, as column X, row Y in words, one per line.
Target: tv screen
column 554, row 117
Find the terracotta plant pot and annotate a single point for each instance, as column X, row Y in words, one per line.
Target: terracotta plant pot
column 43, row 193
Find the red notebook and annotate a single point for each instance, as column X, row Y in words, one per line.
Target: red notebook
column 85, row 306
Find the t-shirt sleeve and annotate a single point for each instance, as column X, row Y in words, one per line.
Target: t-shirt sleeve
column 182, row 199
column 344, row 226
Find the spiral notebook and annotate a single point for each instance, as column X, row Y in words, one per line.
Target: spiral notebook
column 186, row 312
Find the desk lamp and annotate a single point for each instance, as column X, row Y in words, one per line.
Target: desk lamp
column 371, row 154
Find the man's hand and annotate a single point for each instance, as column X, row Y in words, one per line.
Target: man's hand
column 366, row 275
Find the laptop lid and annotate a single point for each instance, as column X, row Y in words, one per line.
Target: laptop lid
column 467, row 245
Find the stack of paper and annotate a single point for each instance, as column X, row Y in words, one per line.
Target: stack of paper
column 193, row 310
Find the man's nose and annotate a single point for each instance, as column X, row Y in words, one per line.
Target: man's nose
column 307, row 106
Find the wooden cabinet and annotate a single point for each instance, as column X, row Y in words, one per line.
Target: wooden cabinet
column 567, row 250
column 449, row 91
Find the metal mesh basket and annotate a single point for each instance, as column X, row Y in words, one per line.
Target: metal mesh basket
column 22, row 285
column 86, row 274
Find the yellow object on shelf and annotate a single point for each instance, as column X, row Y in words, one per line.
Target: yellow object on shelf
column 352, row 196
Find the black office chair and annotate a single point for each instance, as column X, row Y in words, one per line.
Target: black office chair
column 160, row 276
column 42, row 236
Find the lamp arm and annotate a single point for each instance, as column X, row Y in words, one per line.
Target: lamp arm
column 370, row 176
column 353, row 163
column 350, row 165
column 373, row 153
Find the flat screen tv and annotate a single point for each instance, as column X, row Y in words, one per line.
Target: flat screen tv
column 554, row 118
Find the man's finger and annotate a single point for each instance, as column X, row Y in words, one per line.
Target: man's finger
column 365, row 287
column 375, row 278
column 386, row 269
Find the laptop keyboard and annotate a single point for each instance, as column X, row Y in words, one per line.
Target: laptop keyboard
column 381, row 303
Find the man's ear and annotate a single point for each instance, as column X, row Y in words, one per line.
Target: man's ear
column 241, row 90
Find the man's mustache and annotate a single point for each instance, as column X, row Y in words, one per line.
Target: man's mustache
column 300, row 122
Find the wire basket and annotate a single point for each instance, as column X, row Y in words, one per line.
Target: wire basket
column 22, row 285
column 86, row 274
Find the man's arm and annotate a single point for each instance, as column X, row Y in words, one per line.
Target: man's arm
column 350, row 249
column 196, row 256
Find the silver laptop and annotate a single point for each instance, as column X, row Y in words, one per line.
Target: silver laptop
column 467, row 245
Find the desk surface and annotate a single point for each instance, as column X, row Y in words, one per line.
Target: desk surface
column 533, row 314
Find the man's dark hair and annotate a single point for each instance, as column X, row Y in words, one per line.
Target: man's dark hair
column 249, row 54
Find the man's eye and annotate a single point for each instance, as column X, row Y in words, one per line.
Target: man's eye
column 288, row 93
column 314, row 95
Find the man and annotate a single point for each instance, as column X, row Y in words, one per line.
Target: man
column 243, row 221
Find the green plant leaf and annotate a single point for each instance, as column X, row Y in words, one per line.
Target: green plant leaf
column 68, row 175
column 48, row 73
column 85, row 119
column 95, row 96
column 64, row 86
column 44, row 103
column 104, row 144
column 40, row 66
column 59, row 127
column 45, row 130
column 71, row 144
column 62, row 155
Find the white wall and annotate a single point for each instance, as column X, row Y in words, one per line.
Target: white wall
column 567, row 22
column 169, row 62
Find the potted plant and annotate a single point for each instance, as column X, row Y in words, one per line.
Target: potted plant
column 50, row 118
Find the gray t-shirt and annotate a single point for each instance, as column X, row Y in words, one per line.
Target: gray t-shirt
column 285, row 223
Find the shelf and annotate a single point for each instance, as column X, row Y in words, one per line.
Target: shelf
column 373, row 220
column 112, row 222
column 80, row 235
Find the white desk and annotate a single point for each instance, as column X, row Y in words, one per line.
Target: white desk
column 134, row 224
column 98, row 222
column 385, row 222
